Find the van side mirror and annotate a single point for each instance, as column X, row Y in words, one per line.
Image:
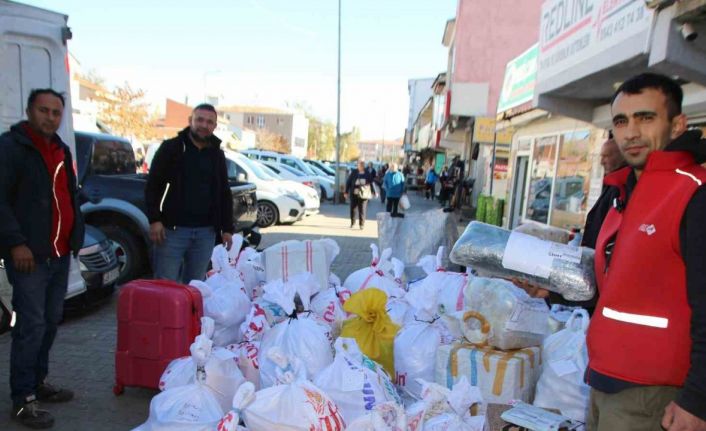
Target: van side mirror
column 241, row 178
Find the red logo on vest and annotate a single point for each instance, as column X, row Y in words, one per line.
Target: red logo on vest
column 649, row 229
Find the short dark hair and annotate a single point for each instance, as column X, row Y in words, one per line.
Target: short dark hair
column 39, row 91
column 668, row 86
column 206, row 107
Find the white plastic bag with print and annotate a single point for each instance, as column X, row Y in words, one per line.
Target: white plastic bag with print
column 301, row 336
column 289, row 258
column 442, row 409
column 244, row 396
column 384, row 417
column 247, row 353
column 293, row 404
column 192, row 407
column 378, row 275
column 417, row 342
column 564, row 360
column 355, row 382
column 328, row 305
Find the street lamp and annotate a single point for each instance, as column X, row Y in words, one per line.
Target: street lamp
column 337, row 192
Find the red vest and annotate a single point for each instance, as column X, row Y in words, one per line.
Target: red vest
column 640, row 330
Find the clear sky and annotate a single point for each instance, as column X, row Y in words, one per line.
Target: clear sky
column 266, row 52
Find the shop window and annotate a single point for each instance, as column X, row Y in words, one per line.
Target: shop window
column 541, row 178
column 572, row 182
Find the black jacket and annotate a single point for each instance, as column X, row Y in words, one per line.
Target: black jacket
column 353, row 178
column 163, row 191
column 692, row 237
column 26, row 197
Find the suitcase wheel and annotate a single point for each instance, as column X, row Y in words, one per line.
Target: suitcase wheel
column 118, row 390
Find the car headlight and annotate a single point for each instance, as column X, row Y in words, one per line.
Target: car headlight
column 82, row 266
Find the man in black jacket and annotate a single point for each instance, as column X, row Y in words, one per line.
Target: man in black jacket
column 188, row 199
column 40, row 227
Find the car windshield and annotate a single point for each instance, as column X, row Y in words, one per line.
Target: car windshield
column 256, row 168
column 292, row 170
column 269, row 171
column 318, row 171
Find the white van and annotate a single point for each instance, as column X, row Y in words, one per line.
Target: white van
column 33, row 54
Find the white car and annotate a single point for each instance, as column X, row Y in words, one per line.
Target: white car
column 324, row 188
column 326, row 182
column 276, row 201
column 311, row 197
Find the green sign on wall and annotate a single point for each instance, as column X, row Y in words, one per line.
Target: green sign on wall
column 520, row 80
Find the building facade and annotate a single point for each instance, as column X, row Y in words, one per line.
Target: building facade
column 292, row 126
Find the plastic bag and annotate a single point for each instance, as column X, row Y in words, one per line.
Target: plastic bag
column 301, row 336
column 227, row 305
column 355, row 382
column 328, row 305
column 293, row 404
column 384, row 417
column 561, row 385
column 289, row 258
column 417, row 234
column 516, row 320
column 377, row 275
column 442, row 409
column 192, row 407
column 247, row 353
column 372, row 328
column 404, row 202
column 497, row 252
column 244, row 396
column 417, row 342
column 451, row 285
column 182, row 371
column 222, row 374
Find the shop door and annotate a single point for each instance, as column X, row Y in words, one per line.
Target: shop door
column 518, row 190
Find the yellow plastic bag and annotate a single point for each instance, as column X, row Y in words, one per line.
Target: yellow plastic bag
column 373, row 329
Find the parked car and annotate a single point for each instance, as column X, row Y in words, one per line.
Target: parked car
column 311, row 197
column 326, row 182
column 289, row 173
column 322, row 166
column 276, row 202
column 115, row 200
column 93, row 276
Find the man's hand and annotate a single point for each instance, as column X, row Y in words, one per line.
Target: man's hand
column 227, row 240
column 677, row 419
column 531, row 289
column 157, row 233
column 22, row 258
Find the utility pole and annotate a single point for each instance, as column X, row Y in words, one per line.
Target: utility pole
column 336, row 194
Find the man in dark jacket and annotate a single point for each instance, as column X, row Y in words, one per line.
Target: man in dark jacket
column 651, row 269
column 188, row 199
column 40, row 227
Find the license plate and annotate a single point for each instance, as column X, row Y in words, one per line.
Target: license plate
column 111, row 276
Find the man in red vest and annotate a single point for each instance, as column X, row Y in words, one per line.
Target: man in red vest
column 647, row 338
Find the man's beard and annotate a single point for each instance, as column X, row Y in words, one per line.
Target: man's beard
column 195, row 137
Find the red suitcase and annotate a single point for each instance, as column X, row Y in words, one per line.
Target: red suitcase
column 157, row 322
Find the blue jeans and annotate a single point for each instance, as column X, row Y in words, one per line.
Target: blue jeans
column 184, row 254
column 38, row 301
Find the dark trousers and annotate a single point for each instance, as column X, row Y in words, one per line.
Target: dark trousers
column 38, row 301
column 429, row 190
column 392, row 205
column 362, row 206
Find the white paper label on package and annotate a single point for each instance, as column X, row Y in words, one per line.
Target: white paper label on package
column 530, row 316
column 527, row 254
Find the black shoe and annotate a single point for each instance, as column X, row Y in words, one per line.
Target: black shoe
column 48, row 393
column 31, row 416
